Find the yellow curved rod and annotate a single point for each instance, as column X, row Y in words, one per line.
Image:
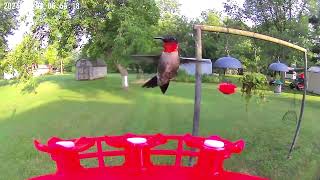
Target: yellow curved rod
column 248, row 34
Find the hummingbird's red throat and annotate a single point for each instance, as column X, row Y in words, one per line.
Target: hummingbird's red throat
column 170, row 47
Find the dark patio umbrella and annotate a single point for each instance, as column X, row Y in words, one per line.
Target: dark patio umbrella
column 227, row 62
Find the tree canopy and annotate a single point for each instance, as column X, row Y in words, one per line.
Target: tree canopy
column 284, row 19
column 113, row 29
column 9, row 21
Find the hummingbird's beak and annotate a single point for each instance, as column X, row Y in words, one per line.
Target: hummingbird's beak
column 158, row 38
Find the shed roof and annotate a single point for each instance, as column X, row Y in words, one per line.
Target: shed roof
column 95, row 63
column 98, row 63
column 315, row 69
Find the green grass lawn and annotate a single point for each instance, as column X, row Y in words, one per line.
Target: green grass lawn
column 67, row 108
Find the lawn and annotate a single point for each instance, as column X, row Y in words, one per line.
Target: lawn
column 67, row 108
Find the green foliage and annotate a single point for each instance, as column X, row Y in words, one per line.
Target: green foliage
column 206, row 78
column 183, row 76
column 22, row 58
column 116, row 29
column 212, row 18
column 51, row 55
column 126, row 30
column 284, row 19
column 69, row 61
column 9, row 21
column 314, row 20
column 60, row 27
column 253, row 84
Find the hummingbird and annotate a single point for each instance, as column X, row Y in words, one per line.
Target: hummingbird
column 168, row 63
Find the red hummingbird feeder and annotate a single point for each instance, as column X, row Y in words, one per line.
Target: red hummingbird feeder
column 227, row 88
column 137, row 151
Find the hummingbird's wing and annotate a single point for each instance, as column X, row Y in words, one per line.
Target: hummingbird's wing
column 152, row 59
column 184, row 60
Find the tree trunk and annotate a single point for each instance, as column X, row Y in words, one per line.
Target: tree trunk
column 61, row 66
column 124, row 75
column 139, row 72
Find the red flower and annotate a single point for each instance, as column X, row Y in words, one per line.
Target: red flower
column 227, row 88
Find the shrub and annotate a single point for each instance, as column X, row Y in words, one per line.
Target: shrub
column 253, row 84
column 183, row 76
column 210, row 78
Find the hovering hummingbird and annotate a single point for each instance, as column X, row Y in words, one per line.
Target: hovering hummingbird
column 168, row 63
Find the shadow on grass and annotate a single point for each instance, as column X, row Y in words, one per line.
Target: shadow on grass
column 68, row 81
column 8, row 82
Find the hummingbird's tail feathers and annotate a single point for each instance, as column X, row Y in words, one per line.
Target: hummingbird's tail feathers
column 153, row 82
column 164, row 87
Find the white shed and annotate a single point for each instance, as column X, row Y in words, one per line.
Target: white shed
column 190, row 68
column 313, row 76
column 11, row 75
column 90, row 69
column 41, row 69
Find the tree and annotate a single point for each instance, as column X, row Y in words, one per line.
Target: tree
column 314, row 20
column 23, row 58
column 127, row 28
column 55, row 25
column 284, row 19
column 8, row 19
column 171, row 22
column 114, row 28
column 51, row 55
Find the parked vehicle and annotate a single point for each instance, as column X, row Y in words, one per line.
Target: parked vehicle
column 291, row 75
column 298, row 83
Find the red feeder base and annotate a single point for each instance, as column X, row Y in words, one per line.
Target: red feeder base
column 156, row 173
column 137, row 151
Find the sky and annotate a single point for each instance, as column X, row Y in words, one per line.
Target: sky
column 193, row 8
column 16, row 38
column 188, row 8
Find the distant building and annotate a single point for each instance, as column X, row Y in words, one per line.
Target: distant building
column 8, row 76
column 90, row 69
column 313, row 76
column 37, row 70
column 190, row 68
column 41, row 69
